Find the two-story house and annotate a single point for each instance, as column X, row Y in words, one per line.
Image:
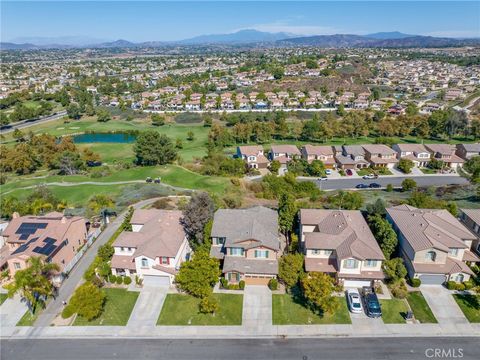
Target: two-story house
column 351, row 157
column 414, row 152
column 284, row 153
column 471, row 219
column 340, row 243
column 154, row 249
column 445, row 153
column 322, row 153
column 247, row 243
column 434, row 244
column 467, row 151
column 253, row 155
column 379, row 155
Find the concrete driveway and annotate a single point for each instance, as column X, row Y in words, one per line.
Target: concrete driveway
column 11, row 311
column 257, row 306
column 148, row 306
column 443, row 305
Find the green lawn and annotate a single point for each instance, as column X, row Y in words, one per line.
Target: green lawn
column 183, row 310
column 3, row 297
column 118, row 306
column 420, row 308
column 28, row 319
column 394, row 311
column 428, row 171
column 287, row 310
column 470, row 305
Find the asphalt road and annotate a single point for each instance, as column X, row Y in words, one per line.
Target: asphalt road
column 242, row 349
column 27, row 123
column 422, row 181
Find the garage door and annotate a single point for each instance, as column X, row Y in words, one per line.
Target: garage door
column 356, row 283
column 256, row 280
column 432, row 279
column 153, row 280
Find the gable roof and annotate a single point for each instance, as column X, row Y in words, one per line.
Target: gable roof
column 473, row 214
column 285, row 149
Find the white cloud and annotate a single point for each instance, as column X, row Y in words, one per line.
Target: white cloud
column 454, row 33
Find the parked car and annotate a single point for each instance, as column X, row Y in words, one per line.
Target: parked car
column 148, row 179
column 323, row 178
column 372, row 305
column 375, row 185
column 349, row 172
column 361, row 186
column 354, row 301
column 368, row 176
column 328, row 172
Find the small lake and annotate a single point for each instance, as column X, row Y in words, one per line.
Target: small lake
column 103, row 138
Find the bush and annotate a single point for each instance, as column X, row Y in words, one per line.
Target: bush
column 138, row 280
column 468, row 284
column 389, row 188
column 241, row 285
column 119, row 280
column 127, row 280
column 415, row 282
column 451, row 285
column 208, row 305
column 273, row 284
column 112, row 279
column 399, row 290
column 224, row 283
column 460, row 287
column 68, row 311
column 98, row 282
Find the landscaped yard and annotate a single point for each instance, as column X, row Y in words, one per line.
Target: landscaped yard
column 420, row 308
column 3, row 297
column 287, row 310
column 394, row 311
column 118, row 306
column 470, row 305
column 28, row 319
column 183, row 310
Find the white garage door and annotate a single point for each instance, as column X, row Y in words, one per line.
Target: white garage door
column 432, row 279
column 154, row 280
column 356, row 283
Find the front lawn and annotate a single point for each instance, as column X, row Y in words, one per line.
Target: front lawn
column 420, row 308
column 289, row 310
column 3, row 297
column 394, row 311
column 428, row 171
column 470, row 305
column 118, row 306
column 28, row 319
column 181, row 309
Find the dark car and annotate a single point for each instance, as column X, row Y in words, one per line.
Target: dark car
column 361, row 186
column 375, row 185
column 349, row 172
column 372, row 305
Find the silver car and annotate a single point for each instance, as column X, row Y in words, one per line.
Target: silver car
column 354, row 301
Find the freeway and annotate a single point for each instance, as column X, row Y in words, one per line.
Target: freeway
column 240, row 349
column 346, row 183
column 31, row 122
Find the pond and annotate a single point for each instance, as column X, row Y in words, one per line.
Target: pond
column 104, row 138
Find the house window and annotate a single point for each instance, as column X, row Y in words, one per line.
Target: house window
column 453, row 252
column 16, row 265
column 122, row 248
column 261, row 254
column 371, row 263
column 164, row 260
column 233, row 276
column 459, row 278
column 219, row 241
column 144, row 262
column 236, row 251
column 327, row 252
column 350, row 264
column 430, row 256
column 129, row 249
column 316, row 252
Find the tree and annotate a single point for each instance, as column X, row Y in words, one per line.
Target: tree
column 73, row 111
column 190, row 136
column 316, row 168
column 33, row 283
column 472, row 166
column 198, row 212
column 18, row 135
column 435, row 164
column 274, row 166
column 87, row 301
column 394, row 270
column 405, row 165
column 208, row 305
column 318, row 290
column 69, row 163
column 157, row 120
column 152, row 148
column 290, row 269
column 384, row 233
column 103, row 115
column 347, row 200
column 378, row 207
column 198, row 276
column 105, row 252
column 286, row 212
column 408, row 184
column 99, row 202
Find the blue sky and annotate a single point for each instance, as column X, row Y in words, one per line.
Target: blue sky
column 163, row 20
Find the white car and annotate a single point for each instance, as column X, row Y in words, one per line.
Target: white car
column 354, row 301
column 369, row 176
column 328, row 172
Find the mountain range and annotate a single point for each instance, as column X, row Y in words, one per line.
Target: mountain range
column 393, row 39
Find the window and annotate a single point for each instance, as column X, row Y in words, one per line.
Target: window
column 316, row 252
column 144, row 262
column 233, row 276
column 453, row 252
column 129, row 249
column 219, row 241
column 459, row 278
column 16, row 265
column 236, row 251
column 327, row 252
column 431, row 256
column 351, row 264
column 371, row 263
column 122, row 248
column 262, row 254
column 164, row 260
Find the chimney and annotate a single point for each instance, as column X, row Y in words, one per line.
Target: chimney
column 15, row 215
column 64, row 220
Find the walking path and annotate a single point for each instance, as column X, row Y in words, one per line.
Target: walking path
column 148, row 306
column 443, row 305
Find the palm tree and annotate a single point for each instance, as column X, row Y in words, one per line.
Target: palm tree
column 33, row 283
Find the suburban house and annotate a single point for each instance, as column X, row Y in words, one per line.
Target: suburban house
column 434, row 244
column 253, row 155
column 467, row 151
column 54, row 237
column 154, row 249
column 380, row 155
column 445, row 153
column 340, row 243
column 414, row 152
column 351, row 157
column 247, row 243
column 284, row 153
column 322, row 153
column 471, row 219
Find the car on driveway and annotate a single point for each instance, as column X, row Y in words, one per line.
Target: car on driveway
column 362, row 186
column 372, row 305
column 354, row 301
column 328, row 172
column 375, row 185
column 349, row 172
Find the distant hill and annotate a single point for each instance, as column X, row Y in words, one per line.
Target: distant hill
column 13, row 46
column 388, row 35
column 116, row 44
column 239, row 37
column 70, row 41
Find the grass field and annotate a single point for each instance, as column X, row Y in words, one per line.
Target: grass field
column 420, row 308
column 394, row 311
column 3, row 297
column 470, row 305
column 183, row 310
column 28, row 319
column 287, row 310
column 118, row 306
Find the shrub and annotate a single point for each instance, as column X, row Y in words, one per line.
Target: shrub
column 241, row 285
column 68, row 311
column 224, row 283
column 235, row 181
column 127, row 280
column 451, row 285
column 208, row 305
column 119, row 280
column 415, row 282
column 138, row 280
column 112, row 279
column 468, row 284
column 389, row 188
column 98, row 282
column 273, row 284
column 460, row 287
column 399, row 290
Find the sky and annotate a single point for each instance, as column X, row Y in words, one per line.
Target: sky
column 175, row 20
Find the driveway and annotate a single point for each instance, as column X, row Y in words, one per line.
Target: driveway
column 148, row 306
column 257, row 307
column 11, row 311
column 443, row 305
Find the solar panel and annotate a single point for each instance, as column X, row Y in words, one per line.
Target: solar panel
column 26, row 229
column 25, row 246
column 47, row 248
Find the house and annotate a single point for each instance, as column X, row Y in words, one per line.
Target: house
column 471, row 219
column 380, row 155
column 351, row 157
column 414, row 152
column 54, row 237
column 154, row 249
column 445, row 153
column 247, row 243
column 284, row 153
column 433, row 243
column 340, row 243
column 253, row 155
column 467, row 151
column 322, row 153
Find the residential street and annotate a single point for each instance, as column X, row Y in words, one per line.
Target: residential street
column 233, row 349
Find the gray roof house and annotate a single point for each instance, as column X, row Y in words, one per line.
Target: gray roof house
column 247, row 242
column 471, row 219
column 467, row 151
